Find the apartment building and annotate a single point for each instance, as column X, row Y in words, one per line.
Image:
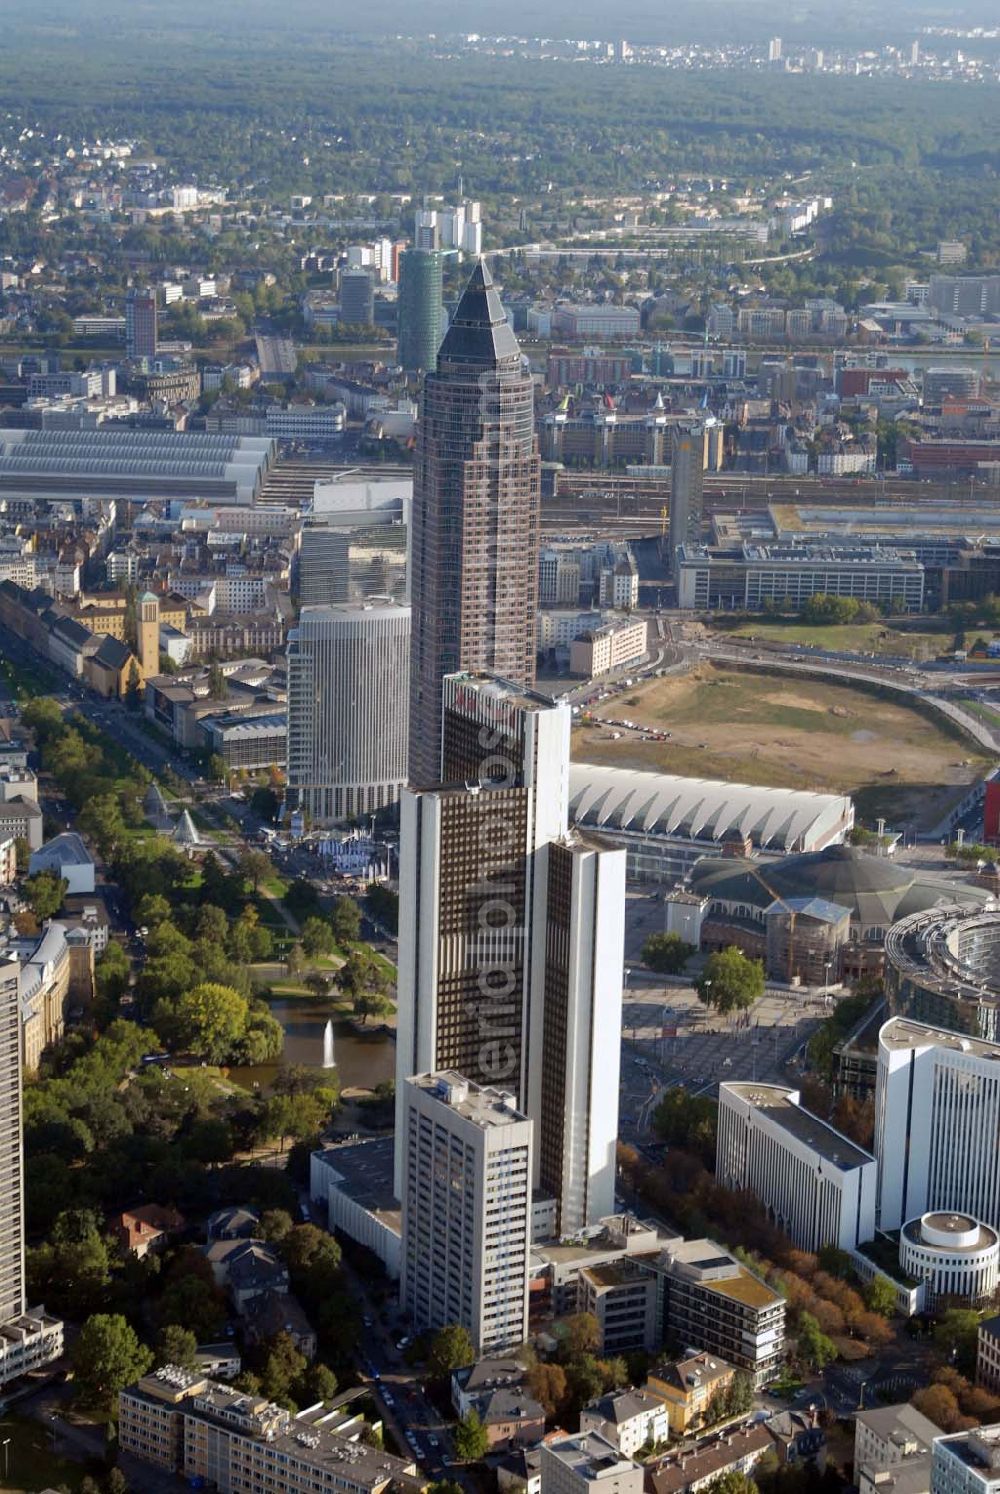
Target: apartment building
column 887, row 1435
column 466, row 1209
column 687, row 1387
column 629, row 1419
column 243, row 1444
column 967, row 1462
column 614, row 645
column 587, row 1463
column 717, row 1305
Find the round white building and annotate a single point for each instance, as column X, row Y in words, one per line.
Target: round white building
column 348, row 686
column 956, row 1255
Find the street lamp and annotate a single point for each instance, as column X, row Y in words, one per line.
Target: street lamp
column 5, row 1444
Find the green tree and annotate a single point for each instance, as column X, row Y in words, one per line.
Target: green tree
column 254, row 867
column 265, row 804
column 345, row 920
column 218, row 685
column 739, row 1396
column 730, row 981
column 451, row 1349
column 317, row 938
column 585, row 1379
column 732, row 1482
column 371, row 1004
column 317, row 1383
column 581, row 1334
column 956, row 1334
column 107, row 1356
column 471, row 1438
column 816, row 1350
column 44, row 718
column 666, row 953
column 44, row 893
column 151, row 910
column 281, row 1369
column 276, row 1225
column 294, row 959
column 101, row 819
column 111, row 973
column 880, row 1296
column 177, row 1345
column 211, row 1019
column 690, row 1121
column 383, row 905
column 363, row 978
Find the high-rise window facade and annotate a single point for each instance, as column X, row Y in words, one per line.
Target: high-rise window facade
column 476, row 498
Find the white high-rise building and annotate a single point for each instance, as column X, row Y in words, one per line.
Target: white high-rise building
column 512, row 936
column 348, row 680
column 815, row 1183
column 774, row 49
column 426, row 229
column 28, row 1339
column 937, row 1119
column 466, row 1209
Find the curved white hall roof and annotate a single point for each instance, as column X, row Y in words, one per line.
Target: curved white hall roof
column 602, row 797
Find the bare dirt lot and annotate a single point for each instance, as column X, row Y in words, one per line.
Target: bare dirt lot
column 757, row 728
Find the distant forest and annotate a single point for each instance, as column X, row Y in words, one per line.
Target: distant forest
column 907, row 161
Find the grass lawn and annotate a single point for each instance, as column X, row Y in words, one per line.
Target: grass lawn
column 751, row 727
column 275, row 885
column 32, row 1466
column 862, row 638
column 989, row 715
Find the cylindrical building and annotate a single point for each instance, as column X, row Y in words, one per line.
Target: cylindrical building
column 942, row 966
column 954, row 1254
column 348, row 684
column 421, row 312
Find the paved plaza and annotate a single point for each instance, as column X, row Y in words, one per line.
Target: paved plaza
column 669, row 1038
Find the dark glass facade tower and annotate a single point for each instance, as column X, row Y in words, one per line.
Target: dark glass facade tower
column 421, row 314
column 687, row 481
column 476, row 498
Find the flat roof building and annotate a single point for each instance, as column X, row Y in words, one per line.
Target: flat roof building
column 244, row 1444
column 466, row 1216
column 354, row 1180
column 816, row 1185
column 886, row 1435
column 756, row 575
column 587, row 1463
column 716, row 1305
column 967, row 1462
